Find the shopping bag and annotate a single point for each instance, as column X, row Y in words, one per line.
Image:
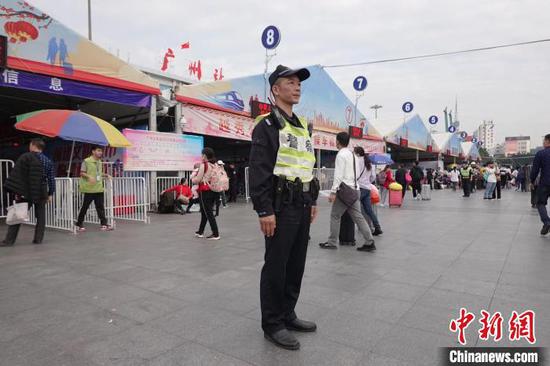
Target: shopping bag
column 18, row 213
column 374, row 195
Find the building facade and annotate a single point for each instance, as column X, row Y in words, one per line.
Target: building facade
column 486, row 133
column 517, row 145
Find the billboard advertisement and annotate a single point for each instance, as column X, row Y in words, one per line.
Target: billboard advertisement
column 159, row 151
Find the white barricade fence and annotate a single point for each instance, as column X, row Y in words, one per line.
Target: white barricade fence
column 5, row 197
column 246, row 184
column 130, row 199
column 59, row 212
column 91, row 216
column 164, row 183
column 325, row 176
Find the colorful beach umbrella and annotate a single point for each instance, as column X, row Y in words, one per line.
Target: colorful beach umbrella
column 73, row 126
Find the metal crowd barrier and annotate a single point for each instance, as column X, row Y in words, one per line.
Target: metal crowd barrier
column 5, row 197
column 60, row 212
column 130, row 199
column 246, row 184
column 163, row 183
column 325, row 176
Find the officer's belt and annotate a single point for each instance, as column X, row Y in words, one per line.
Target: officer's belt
column 305, row 185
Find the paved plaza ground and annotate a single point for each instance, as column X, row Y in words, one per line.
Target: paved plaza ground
column 155, row 295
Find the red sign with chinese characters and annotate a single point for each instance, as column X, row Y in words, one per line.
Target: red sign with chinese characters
column 3, row 52
column 520, row 326
column 356, row 132
column 258, row 108
column 403, row 142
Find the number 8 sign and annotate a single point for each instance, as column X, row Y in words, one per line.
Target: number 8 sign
column 271, row 36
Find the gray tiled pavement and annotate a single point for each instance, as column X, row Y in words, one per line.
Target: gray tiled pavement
column 153, row 295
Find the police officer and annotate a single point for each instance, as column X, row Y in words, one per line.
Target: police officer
column 284, row 195
column 466, row 175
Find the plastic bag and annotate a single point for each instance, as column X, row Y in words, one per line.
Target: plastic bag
column 396, row 187
column 374, row 195
column 18, row 213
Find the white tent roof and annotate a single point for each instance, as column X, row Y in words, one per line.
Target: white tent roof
column 441, row 140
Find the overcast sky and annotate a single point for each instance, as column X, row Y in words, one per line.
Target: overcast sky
column 509, row 86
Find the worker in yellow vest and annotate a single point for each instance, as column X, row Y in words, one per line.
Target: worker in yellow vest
column 91, row 186
column 466, row 173
column 284, row 193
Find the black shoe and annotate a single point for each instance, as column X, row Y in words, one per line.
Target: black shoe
column 299, row 325
column 284, row 339
column 545, row 229
column 377, row 232
column 36, row 242
column 327, row 246
column 367, row 248
column 348, row 243
column 6, row 244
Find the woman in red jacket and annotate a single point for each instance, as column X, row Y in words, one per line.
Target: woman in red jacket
column 183, row 195
column 384, row 189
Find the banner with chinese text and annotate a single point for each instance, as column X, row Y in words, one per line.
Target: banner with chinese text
column 159, row 151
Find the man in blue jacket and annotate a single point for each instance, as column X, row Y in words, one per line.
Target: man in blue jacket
column 542, row 164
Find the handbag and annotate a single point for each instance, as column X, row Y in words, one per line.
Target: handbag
column 347, row 194
column 18, row 213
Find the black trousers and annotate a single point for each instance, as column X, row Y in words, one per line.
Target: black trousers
column 97, row 199
column 285, row 259
column 192, row 201
column 497, row 192
column 40, row 214
column 416, row 188
column 207, row 201
column 466, row 184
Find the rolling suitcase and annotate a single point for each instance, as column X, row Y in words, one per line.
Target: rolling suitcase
column 347, row 230
column 426, row 192
column 396, row 198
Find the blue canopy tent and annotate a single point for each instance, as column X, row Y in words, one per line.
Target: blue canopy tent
column 381, row 159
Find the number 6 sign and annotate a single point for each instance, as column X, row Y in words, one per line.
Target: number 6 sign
column 271, row 36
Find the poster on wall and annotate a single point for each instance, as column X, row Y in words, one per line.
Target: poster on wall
column 159, row 151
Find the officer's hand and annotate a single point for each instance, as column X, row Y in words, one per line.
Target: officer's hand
column 313, row 213
column 332, row 197
column 268, row 225
column 50, row 199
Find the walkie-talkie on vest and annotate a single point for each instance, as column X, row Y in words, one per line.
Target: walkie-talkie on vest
column 279, row 120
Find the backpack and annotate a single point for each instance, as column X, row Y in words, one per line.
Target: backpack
column 218, row 180
column 381, row 178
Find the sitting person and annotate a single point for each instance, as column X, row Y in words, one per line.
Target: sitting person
column 183, row 195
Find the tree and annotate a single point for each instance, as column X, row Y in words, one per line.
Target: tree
column 483, row 152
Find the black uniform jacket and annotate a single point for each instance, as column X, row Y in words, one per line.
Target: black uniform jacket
column 263, row 155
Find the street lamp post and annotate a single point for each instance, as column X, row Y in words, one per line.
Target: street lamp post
column 376, row 107
column 357, row 96
column 90, row 20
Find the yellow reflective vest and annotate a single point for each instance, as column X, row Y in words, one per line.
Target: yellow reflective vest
column 295, row 157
